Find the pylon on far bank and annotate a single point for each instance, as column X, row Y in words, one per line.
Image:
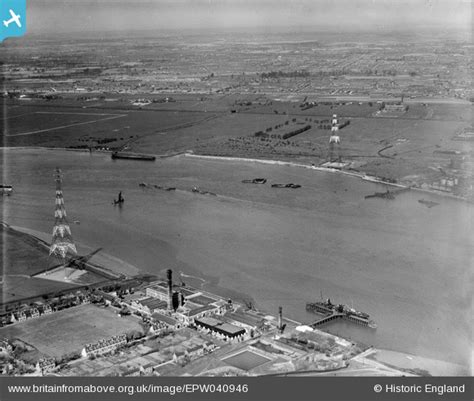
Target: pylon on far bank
column 334, row 141
column 62, row 241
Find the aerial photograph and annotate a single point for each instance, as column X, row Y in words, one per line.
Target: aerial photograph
column 237, row 188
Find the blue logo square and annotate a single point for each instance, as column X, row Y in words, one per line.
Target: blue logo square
column 12, row 18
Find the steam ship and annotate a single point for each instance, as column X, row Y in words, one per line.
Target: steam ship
column 329, row 309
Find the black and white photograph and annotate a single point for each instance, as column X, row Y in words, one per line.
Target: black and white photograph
column 238, row 189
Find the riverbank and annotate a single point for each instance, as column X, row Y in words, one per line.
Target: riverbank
column 102, row 259
column 415, row 364
column 362, row 176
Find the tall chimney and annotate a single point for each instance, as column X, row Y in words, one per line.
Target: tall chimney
column 280, row 317
column 169, row 275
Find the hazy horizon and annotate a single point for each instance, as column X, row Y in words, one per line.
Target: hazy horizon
column 62, row 16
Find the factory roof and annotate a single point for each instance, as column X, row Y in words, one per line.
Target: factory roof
column 248, row 319
column 201, row 299
column 187, row 292
column 153, row 303
column 220, row 327
column 201, row 309
column 230, row 328
column 163, row 318
column 210, row 321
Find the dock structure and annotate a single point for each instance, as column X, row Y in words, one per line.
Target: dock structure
column 332, row 312
column 327, row 319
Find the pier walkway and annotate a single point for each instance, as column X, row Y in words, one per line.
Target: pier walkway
column 327, row 319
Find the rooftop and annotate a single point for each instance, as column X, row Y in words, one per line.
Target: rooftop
column 210, row 321
column 201, row 299
column 163, row 318
column 219, row 326
column 153, row 303
column 201, row 309
column 248, row 319
column 230, row 328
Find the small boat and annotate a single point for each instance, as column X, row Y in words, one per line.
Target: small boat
column 255, row 181
column 428, row 203
column 199, row 191
column 120, row 199
column 290, row 185
column 384, row 195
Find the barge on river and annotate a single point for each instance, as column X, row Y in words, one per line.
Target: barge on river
column 6, row 189
column 132, row 156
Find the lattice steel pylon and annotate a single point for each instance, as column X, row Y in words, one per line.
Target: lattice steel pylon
column 334, row 141
column 62, row 241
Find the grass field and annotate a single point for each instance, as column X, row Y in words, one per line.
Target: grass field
column 64, row 125
column 246, row 360
column 71, row 329
column 212, row 131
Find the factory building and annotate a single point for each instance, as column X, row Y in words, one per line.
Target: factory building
column 225, row 330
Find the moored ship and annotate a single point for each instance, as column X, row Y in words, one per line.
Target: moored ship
column 330, row 310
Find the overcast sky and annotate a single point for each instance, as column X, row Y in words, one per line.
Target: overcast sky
column 48, row 16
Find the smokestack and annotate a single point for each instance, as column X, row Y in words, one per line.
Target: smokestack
column 280, row 317
column 169, row 276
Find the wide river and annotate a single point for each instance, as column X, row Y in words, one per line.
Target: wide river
column 408, row 266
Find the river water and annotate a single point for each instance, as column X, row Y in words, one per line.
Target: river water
column 408, row 266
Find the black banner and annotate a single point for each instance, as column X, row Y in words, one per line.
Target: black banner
column 243, row 388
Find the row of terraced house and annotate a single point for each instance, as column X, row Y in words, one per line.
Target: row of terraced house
column 25, row 312
column 104, row 346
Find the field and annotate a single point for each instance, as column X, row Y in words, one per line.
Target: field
column 67, row 124
column 246, row 360
column 71, row 329
column 210, row 133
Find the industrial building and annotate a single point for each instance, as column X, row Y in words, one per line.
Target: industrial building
column 226, row 330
